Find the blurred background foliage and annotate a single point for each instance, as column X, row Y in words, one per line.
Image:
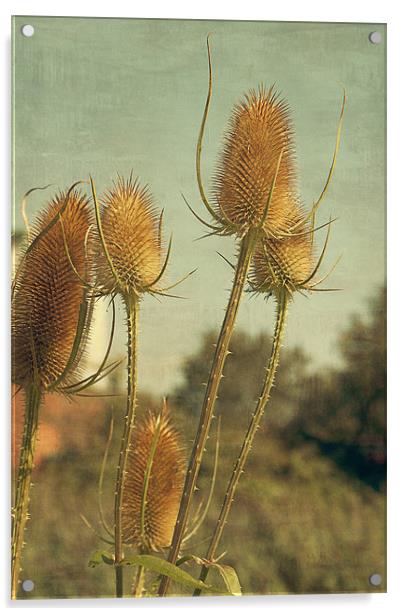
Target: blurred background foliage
column 309, row 516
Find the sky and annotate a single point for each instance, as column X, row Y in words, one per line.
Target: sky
column 103, row 96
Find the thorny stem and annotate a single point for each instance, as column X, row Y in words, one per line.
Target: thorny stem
column 244, row 259
column 25, row 468
column 132, row 309
column 249, row 437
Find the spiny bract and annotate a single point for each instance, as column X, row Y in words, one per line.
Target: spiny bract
column 165, row 484
column 284, row 264
column 131, row 227
column 259, row 132
column 48, row 293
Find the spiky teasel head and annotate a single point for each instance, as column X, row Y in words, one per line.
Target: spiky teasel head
column 153, row 484
column 51, row 307
column 254, row 182
column 289, row 264
column 131, row 228
column 254, row 185
column 254, row 189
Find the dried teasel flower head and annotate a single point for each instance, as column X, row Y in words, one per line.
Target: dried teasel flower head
column 131, row 228
column 153, row 484
column 288, row 265
column 285, row 263
column 49, row 325
column 254, row 189
column 254, row 183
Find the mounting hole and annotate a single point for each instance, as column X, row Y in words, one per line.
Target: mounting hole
column 375, row 579
column 28, row 30
column 375, row 38
column 28, row 585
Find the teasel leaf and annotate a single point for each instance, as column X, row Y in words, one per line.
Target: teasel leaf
column 162, row 567
column 155, row 564
column 230, row 578
column 228, row 573
column 99, row 557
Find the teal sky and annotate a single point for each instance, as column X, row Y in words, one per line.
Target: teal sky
column 102, row 96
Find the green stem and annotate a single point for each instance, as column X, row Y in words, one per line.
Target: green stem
column 25, row 468
column 251, row 432
column 132, row 309
column 243, row 264
column 138, row 585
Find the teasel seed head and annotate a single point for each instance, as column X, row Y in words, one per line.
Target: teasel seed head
column 153, row 484
column 132, row 231
column 258, row 156
column 49, row 295
column 283, row 264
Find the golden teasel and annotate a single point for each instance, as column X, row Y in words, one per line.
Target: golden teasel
column 285, row 263
column 258, row 154
column 281, row 266
column 288, row 265
column 132, row 263
column 51, row 312
column 153, row 484
column 131, row 227
column 48, row 293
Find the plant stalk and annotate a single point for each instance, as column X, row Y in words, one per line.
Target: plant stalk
column 132, row 310
column 243, row 264
column 250, row 434
column 25, row 468
column 138, row 584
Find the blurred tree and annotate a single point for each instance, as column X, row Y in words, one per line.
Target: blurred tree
column 342, row 410
column 243, row 375
column 345, row 410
